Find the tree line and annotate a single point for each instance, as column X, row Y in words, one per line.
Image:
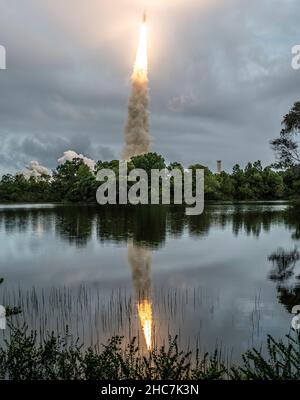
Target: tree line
column 75, row 182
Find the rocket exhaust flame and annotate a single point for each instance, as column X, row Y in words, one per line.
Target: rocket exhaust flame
column 139, row 259
column 140, row 71
column 137, row 140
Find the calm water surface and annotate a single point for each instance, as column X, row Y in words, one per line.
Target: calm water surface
column 226, row 278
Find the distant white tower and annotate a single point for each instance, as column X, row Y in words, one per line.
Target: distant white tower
column 219, row 167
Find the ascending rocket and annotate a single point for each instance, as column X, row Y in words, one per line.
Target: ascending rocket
column 145, row 17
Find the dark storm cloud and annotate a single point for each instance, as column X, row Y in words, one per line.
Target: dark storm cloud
column 221, row 78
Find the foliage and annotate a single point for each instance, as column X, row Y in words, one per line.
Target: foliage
column 282, row 363
column 17, row 188
column 75, row 182
column 23, row 357
column 286, row 146
column 149, row 161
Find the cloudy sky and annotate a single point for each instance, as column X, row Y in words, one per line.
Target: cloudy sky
column 220, row 76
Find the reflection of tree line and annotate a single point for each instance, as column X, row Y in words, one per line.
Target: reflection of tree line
column 145, row 225
column 148, row 227
column 293, row 219
column 284, row 263
column 283, row 273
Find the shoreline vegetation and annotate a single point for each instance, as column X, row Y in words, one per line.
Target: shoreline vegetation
column 57, row 358
column 75, row 182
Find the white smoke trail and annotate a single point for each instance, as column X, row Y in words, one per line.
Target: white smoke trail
column 137, row 139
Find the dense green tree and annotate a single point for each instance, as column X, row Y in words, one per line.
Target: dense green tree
column 273, row 187
column 149, row 161
column 227, row 188
column 176, row 165
column 74, row 181
column 286, row 146
column 291, row 180
column 17, row 189
column 211, row 183
column 114, row 165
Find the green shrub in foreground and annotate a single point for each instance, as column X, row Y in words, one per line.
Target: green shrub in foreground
column 22, row 358
column 281, row 363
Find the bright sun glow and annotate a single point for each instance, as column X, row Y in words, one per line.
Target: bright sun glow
column 141, row 63
column 145, row 315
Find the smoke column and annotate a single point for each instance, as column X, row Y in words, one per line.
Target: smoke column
column 139, row 259
column 137, row 138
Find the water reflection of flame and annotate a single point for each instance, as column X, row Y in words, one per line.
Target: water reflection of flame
column 139, row 259
column 145, row 315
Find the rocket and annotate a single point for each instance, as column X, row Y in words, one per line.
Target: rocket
column 145, row 17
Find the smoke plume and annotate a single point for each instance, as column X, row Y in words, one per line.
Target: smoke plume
column 137, row 139
column 71, row 155
column 34, row 169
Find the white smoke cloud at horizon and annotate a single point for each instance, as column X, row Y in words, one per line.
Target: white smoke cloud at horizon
column 34, row 169
column 70, row 155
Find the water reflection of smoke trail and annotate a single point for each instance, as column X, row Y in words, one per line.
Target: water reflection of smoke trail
column 139, row 259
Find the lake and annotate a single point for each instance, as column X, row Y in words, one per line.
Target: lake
column 224, row 279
